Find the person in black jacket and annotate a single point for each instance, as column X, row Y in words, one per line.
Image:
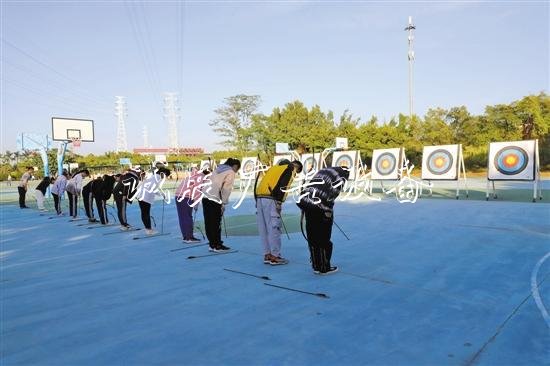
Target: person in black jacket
column 317, row 205
column 88, row 198
column 124, row 191
column 40, row 192
column 102, row 192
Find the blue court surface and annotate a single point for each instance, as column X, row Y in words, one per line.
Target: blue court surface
column 437, row 282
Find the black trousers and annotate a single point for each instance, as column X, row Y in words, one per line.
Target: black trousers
column 88, row 199
column 102, row 210
column 56, row 203
column 73, row 204
column 319, row 231
column 145, row 208
column 212, row 222
column 121, row 209
column 22, row 192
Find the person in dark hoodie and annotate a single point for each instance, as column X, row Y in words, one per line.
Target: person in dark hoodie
column 317, row 205
column 216, row 196
column 100, row 190
column 124, row 191
column 40, row 192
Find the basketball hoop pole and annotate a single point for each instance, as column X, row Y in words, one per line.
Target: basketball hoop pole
column 61, row 156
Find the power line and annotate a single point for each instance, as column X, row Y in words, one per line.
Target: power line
column 44, row 64
column 46, row 95
column 149, row 42
column 136, row 32
column 53, row 82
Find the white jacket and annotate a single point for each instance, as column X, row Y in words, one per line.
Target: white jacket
column 74, row 185
column 149, row 188
column 59, row 185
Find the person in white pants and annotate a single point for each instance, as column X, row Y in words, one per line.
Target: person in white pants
column 40, row 192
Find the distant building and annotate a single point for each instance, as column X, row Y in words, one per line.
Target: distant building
column 187, row 151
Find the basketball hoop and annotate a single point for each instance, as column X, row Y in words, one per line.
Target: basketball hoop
column 76, row 142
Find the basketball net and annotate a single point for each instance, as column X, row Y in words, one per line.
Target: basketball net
column 76, row 142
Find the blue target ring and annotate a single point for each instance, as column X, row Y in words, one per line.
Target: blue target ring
column 344, row 161
column 511, row 160
column 385, row 164
column 440, row 162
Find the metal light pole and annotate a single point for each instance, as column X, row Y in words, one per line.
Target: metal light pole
column 410, row 29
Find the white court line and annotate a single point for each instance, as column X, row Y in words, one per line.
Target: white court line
column 535, row 289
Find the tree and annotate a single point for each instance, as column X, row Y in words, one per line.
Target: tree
column 234, row 119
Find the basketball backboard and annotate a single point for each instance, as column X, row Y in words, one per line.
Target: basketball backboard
column 69, row 129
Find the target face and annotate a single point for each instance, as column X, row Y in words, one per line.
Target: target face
column 344, row 162
column 386, row 163
column 346, row 159
column 512, row 160
column 440, row 162
column 205, row 164
column 248, row 167
column 310, row 164
column 277, row 159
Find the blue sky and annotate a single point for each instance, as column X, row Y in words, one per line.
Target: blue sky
column 71, row 58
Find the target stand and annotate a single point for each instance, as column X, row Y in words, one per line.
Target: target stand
column 387, row 165
column 444, row 163
column 514, row 161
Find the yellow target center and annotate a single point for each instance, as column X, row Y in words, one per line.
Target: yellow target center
column 510, row 160
column 439, row 162
column 385, row 164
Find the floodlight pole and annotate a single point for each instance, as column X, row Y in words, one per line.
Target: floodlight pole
column 410, row 29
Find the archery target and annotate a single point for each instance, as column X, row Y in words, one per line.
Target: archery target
column 248, row 167
column 278, row 158
column 346, row 159
column 386, row 163
column 310, row 164
column 440, row 162
column 206, row 164
column 512, row 160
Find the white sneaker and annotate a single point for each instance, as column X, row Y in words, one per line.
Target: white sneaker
column 150, row 232
column 125, row 228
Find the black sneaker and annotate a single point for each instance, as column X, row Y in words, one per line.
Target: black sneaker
column 324, row 273
column 221, row 249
